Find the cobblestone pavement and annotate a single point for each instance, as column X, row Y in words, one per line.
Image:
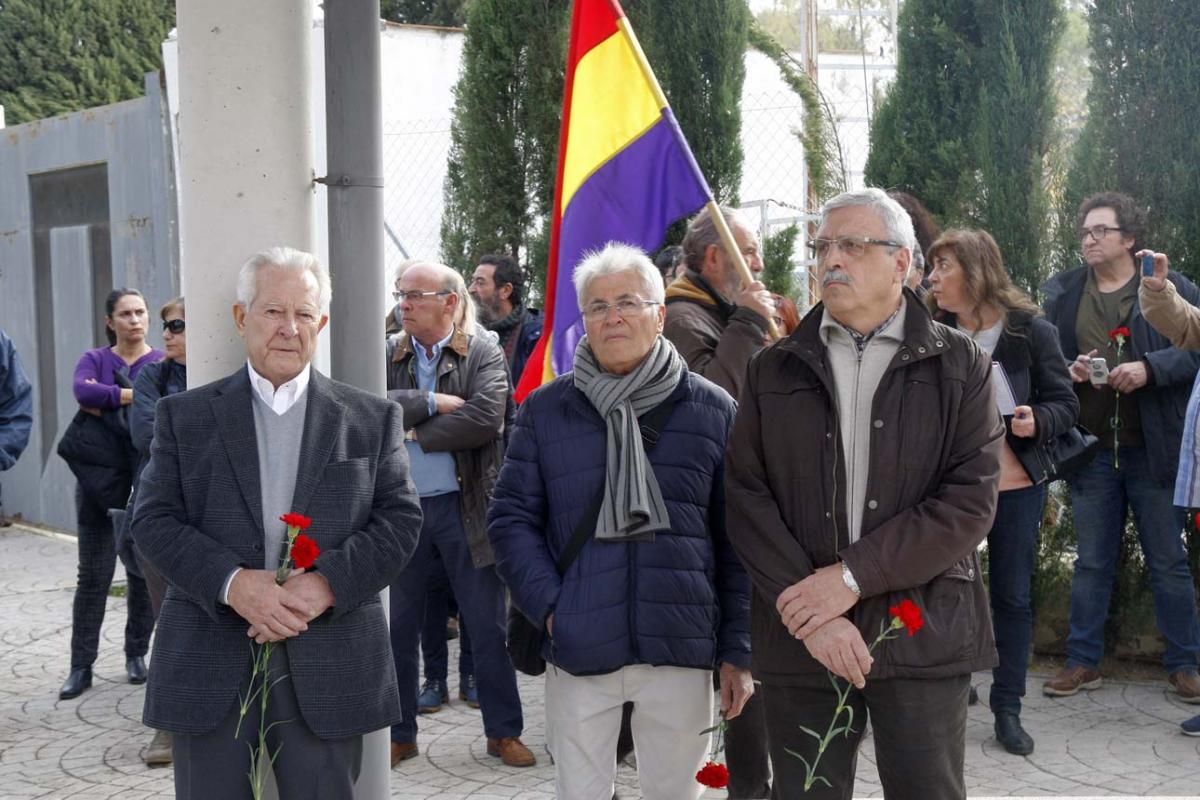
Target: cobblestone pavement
column 1122, row 740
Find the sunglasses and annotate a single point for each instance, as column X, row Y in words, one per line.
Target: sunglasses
column 175, row 326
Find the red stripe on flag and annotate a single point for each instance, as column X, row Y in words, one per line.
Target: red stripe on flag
column 597, row 22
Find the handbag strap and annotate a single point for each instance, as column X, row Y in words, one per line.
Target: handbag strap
column 651, row 423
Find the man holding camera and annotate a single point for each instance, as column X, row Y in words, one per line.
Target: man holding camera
column 1133, row 387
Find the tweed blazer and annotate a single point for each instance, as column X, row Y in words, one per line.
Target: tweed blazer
column 198, row 516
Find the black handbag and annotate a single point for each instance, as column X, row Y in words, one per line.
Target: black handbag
column 1070, row 451
column 524, row 639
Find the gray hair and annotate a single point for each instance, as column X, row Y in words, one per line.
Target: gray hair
column 895, row 219
column 285, row 258
column 702, row 234
column 466, row 318
column 614, row 259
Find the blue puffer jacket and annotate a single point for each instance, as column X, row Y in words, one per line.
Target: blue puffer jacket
column 681, row 600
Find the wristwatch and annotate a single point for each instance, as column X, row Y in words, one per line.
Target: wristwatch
column 848, row 579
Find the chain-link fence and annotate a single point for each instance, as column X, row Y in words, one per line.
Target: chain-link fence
column 414, row 162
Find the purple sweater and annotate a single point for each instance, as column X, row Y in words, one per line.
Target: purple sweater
column 101, row 365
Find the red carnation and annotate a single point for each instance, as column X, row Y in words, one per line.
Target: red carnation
column 304, row 552
column 713, row 775
column 909, row 613
column 1119, row 334
column 294, row 520
column 1198, row 520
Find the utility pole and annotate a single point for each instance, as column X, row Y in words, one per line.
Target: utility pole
column 354, row 144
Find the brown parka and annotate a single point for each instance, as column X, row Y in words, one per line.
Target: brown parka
column 932, row 485
column 473, row 368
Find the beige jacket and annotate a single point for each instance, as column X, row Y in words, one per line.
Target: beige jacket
column 1171, row 315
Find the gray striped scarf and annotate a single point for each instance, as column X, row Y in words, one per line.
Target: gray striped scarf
column 633, row 507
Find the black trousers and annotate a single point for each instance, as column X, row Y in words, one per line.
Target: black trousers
column 746, row 752
column 97, row 562
column 215, row 764
column 919, row 726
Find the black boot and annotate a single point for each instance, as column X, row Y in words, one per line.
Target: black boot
column 136, row 669
column 1011, row 735
column 78, row 681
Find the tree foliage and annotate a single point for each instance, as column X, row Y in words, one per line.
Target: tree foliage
column 448, row 13
column 58, row 56
column 500, row 177
column 1140, row 135
column 778, row 250
column 967, row 124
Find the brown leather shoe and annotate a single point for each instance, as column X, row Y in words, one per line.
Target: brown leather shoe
column 1070, row 680
column 403, row 751
column 511, row 751
column 1186, row 683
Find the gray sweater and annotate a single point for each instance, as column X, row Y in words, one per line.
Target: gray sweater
column 856, row 376
column 278, row 437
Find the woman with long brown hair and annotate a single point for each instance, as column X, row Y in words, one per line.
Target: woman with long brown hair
column 971, row 290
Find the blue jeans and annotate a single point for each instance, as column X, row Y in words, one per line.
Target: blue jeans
column 1012, row 545
column 1101, row 497
column 480, row 596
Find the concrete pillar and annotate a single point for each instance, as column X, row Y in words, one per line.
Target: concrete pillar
column 246, row 156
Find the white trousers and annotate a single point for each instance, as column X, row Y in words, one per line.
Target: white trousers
column 671, row 705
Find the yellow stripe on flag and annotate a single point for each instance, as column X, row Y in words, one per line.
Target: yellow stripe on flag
column 611, row 105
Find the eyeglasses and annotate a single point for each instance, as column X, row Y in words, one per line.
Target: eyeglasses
column 415, row 295
column 1097, row 232
column 853, row 246
column 598, row 312
column 175, row 326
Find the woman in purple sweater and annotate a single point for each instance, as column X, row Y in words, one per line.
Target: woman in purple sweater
column 99, row 391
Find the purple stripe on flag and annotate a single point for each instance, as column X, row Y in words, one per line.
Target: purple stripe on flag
column 633, row 198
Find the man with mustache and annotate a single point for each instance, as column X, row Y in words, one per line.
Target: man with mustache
column 841, row 506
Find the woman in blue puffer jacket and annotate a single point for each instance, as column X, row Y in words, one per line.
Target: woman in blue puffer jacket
column 656, row 598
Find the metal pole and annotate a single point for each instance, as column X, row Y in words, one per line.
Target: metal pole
column 354, row 144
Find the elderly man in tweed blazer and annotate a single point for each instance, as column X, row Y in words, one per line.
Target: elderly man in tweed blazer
column 228, row 459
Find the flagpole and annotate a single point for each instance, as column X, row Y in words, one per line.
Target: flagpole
column 735, row 254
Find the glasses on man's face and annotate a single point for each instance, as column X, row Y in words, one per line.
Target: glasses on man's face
column 175, row 326
column 598, row 312
column 415, row 296
column 1097, row 232
column 852, row 246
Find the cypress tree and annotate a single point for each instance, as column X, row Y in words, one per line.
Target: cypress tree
column 1013, row 131
column 58, row 56
column 921, row 136
column 500, row 177
column 966, row 126
column 1140, row 135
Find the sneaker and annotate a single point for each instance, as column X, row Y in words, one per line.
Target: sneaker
column 467, row 691
column 1191, row 727
column 433, row 696
column 1070, row 680
column 1186, row 683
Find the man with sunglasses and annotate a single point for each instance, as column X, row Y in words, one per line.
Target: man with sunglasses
column 453, row 386
column 862, row 471
column 1138, row 416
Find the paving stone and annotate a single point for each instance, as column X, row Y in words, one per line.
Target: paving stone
column 1121, row 740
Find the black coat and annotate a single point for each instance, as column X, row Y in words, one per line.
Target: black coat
column 1033, row 361
column 1163, row 402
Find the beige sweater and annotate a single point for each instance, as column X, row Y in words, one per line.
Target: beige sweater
column 1171, row 315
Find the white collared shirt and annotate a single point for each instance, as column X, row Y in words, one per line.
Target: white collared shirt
column 281, row 399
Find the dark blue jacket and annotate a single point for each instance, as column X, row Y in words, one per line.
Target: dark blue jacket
column 1163, row 402
column 531, row 331
column 681, row 600
column 16, row 405
column 154, row 382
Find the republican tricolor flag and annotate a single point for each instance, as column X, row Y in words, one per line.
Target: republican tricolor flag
column 625, row 172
